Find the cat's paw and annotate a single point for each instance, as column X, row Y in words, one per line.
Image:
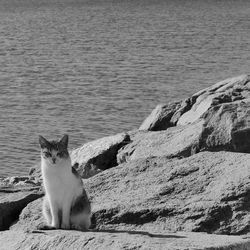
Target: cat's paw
column 65, row 226
column 55, row 225
column 45, row 227
column 77, row 227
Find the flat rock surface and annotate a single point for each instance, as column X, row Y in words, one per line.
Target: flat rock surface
column 119, row 239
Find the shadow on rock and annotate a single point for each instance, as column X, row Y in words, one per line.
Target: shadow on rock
column 137, row 232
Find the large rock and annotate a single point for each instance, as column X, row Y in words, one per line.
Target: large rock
column 119, row 240
column 193, row 108
column 221, row 127
column 207, row 192
column 223, row 111
column 229, row 90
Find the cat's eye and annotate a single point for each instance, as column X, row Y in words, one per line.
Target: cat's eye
column 60, row 154
column 47, row 154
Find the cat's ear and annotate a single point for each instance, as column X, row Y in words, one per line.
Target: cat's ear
column 43, row 142
column 64, row 141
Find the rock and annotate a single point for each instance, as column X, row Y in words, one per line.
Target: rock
column 167, row 115
column 207, row 192
column 192, row 109
column 179, row 141
column 98, row 155
column 229, row 90
column 35, row 171
column 118, row 240
column 31, row 217
column 227, row 127
column 27, row 182
column 160, row 118
column 14, row 197
column 185, row 106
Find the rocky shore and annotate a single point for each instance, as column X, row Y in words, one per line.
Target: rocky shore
column 181, row 181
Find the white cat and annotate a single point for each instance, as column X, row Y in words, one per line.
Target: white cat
column 66, row 204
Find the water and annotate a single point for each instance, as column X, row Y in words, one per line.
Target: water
column 96, row 68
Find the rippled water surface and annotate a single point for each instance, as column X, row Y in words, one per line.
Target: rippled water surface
column 96, row 68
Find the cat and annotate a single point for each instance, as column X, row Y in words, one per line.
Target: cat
column 66, row 204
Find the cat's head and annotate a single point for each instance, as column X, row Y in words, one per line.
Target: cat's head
column 54, row 152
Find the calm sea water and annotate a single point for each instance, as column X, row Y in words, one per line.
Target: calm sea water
column 96, row 68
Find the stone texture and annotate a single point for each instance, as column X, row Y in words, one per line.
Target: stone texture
column 15, row 194
column 193, row 108
column 207, row 192
column 19, row 182
column 98, row 155
column 160, row 117
column 227, row 127
column 176, row 141
column 229, row 90
column 186, row 105
column 119, row 240
column 221, row 127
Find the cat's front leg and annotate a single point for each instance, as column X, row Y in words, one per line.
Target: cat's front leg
column 66, row 216
column 55, row 215
column 46, row 211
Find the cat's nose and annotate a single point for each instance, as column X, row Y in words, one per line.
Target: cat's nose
column 53, row 160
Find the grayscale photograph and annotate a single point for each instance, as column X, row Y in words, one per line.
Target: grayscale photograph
column 124, row 124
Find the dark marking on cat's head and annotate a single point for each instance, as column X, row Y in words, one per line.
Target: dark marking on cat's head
column 54, row 149
column 64, row 141
column 43, row 142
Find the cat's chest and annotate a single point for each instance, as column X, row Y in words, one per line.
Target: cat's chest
column 59, row 183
